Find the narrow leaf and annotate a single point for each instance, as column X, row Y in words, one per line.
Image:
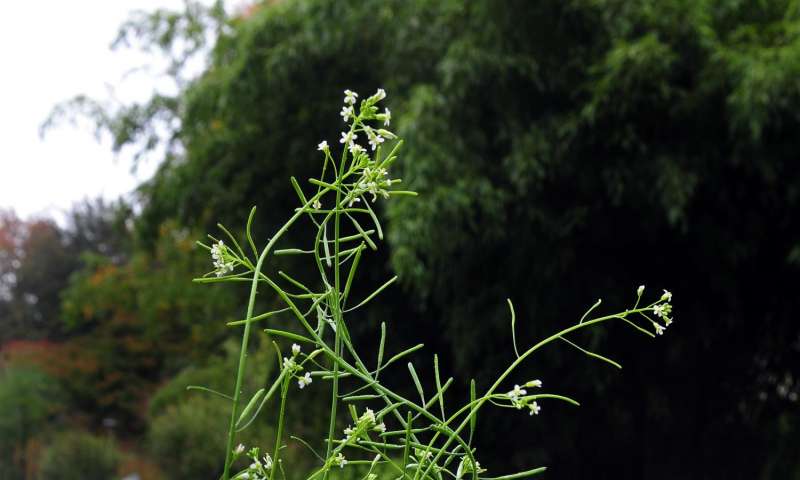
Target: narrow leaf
column 513, row 326
column 258, row 317
column 592, row 354
column 352, row 272
column 416, row 381
column 473, row 415
column 525, row 474
column 250, row 405
column 249, row 231
column 439, row 391
column 204, row 389
column 289, row 335
column 373, row 294
column 380, row 349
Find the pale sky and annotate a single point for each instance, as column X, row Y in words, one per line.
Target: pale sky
column 53, row 50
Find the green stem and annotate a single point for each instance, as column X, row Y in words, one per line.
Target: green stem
column 336, row 306
column 507, row 372
column 277, row 452
column 246, row 335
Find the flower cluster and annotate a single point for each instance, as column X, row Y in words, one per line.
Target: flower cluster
column 259, row 468
column 291, row 365
column 519, row 397
column 375, row 182
column 662, row 309
column 221, row 258
column 339, row 460
column 373, row 177
column 366, row 422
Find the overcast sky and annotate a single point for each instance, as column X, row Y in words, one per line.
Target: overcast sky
column 51, row 51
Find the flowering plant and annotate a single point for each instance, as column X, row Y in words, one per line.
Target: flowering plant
column 414, row 439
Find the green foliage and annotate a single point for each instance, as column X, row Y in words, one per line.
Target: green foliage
column 213, row 373
column 79, row 456
column 139, row 321
column 29, row 402
column 186, row 440
column 185, row 425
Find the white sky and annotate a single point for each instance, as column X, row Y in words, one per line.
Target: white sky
column 51, row 51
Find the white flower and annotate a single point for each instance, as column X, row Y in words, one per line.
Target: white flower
column 517, row 392
column 350, row 97
column 659, row 329
column 217, row 250
column 317, row 205
column 535, row 408
column 223, row 268
column 339, row 460
column 379, row 95
column 304, row 381
column 347, row 112
column 218, row 253
column 534, row 383
column 369, row 416
column 374, row 139
column 288, row 363
column 387, row 117
column 295, row 349
column 640, row 290
column 667, row 321
column 658, row 310
column 355, row 149
column 667, row 296
column 348, row 432
column 323, row 145
column 267, row 461
column 348, row 137
column 354, row 200
column 381, row 427
column 239, row 449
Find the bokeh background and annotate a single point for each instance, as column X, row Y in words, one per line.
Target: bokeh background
column 564, row 151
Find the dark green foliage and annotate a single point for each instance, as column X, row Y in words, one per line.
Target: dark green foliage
column 185, row 426
column 79, row 456
column 186, row 439
column 215, row 373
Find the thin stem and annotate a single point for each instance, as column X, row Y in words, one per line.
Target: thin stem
column 246, row 334
column 279, row 434
column 336, row 306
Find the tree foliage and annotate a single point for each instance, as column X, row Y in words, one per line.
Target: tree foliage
column 137, row 322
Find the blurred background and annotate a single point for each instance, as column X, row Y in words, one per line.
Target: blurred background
column 564, row 151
